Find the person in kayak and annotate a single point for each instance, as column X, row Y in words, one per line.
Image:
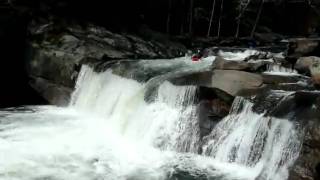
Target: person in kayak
column 197, row 56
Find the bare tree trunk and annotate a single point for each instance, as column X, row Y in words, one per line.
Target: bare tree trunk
column 257, row 19
column 219, row 25
column 169, row 16
column 211, row 18
column 181, row 29
column 238, row 27
column 241, row 13
column 191, row 17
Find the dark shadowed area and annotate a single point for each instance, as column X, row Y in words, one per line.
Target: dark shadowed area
column 185, row 21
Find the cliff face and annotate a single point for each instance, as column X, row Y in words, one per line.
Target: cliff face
column 56, row 52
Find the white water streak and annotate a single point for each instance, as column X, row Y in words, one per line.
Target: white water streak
column 277, row 69
column 269, row 145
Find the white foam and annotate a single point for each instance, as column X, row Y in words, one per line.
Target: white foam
column 238, row 55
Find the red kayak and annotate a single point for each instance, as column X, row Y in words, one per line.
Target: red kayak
column 195, row 58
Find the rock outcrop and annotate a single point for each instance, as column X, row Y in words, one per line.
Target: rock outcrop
column 234, row 82
column 243, row 83
column 304, row 64
column 302, row 108
column 315, row 73
column 57, row 51
column 299, row 47
column 54, row 93
column 212, row 107
column 310, row 66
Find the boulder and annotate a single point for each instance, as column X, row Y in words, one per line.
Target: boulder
column 230, row 82
column 202, row 79
column 236, row 83
column 212, row 107
column 56, row 94
column 299, row 47
column 315, row 73
column 54, row 65
column 279, row 79
column 303, row 64
column 206, row 123
column 310, row 65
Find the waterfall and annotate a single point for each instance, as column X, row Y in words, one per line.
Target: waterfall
column 253, row 140
column 280, row 70
column 121, row 102
column 110, row 132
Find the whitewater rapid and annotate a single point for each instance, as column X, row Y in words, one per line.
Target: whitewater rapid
column 109, row 132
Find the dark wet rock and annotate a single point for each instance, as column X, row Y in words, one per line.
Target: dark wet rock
column 235, row 82
column 188, row 171
column 259, row 65
column 278, row 79
column 219, row 108
column 299, row 47
column 266, row 100
column 315, row 73
column 304, row 64
column 299, row 86
column 54, row 93
column 295, row 106
column 211, row 112
column 307, row 165
column 310, row 66
column 206, row 123
column 185, row 175
column 205, row 93
column 213, row 106
column 200, row 78
column 303, row 108
column 57, row 66
column 56, row 51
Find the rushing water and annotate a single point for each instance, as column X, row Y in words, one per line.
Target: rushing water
column 109, row 132
column 280, row 70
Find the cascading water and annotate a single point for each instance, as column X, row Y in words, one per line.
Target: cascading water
column 110, row 132
column 269, row 145
column 160, row 123
column 280, row 70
